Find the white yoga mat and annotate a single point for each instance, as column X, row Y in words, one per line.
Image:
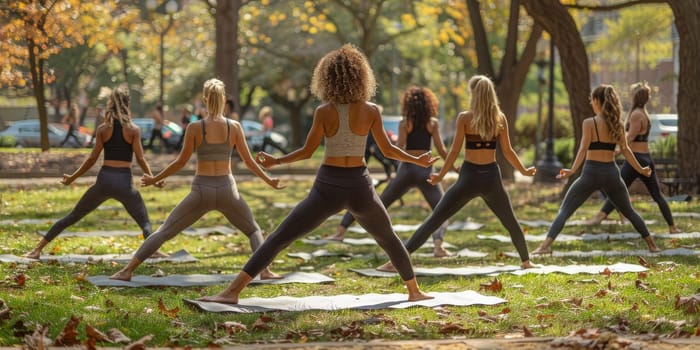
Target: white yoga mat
column 190, row 231
column 547, row 223
column 27, row 221
column 204, row 280
column 345, row 301
column 496, row 270
column 464, row 253
column 181, row 256
column 686, row 215
column 318, row 254
column 611, row 253
column 455, row 226
column 362, row 241
column 593, row 237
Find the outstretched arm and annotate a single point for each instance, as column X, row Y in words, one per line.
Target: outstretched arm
column 625, row 150
column 244, row 152
column 313, row 140
column 509, row 153
column 582, row 149
column 391, row 151
column 455, row 149
column 180, row 161
column 88, row 162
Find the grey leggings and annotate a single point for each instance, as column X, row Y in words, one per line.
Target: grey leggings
column 113, row 183
column 336, row 188
column 208, row 193
column 595, row 176
column 475, row 180
column 652, row 183
column 408, row 176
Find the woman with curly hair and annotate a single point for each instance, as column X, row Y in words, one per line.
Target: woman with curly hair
column 599, row 169
column 121, row 140
column 418, row 128
column 344, row 81
column 482, row 127
column 637, row 127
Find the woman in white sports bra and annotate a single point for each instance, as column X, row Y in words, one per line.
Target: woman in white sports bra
column 344, row 81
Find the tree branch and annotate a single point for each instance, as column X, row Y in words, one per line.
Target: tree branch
column 483, row 55
column 613, row 6
column 511, row 48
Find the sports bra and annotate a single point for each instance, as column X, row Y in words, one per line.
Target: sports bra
column 214, row 151
column 598, row 145
column 640, row 137
column 418, row 139
column 116, row 148
column 345, row 143
column 474, row 141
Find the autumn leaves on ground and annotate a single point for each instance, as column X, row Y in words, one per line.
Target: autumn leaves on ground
column 45, row 303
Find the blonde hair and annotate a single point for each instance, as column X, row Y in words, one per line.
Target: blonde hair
column 610, row 109
column 484, row 104
column 640, row 97
column 118, row 107
column 343, row 76
column 214, row 96
column 265, row 111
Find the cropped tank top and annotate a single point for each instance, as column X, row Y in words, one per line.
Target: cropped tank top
column 598, row 145
column 474, row 141
column 640, row 137
column 345, row 143
column 418, row 139
column 214, row 151
column 116, row 148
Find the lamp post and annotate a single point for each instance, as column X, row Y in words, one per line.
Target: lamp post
column 541, row 62
column 549, row 166
column 168, row 8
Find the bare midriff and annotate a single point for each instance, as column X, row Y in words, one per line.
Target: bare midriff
column 345, row 162
column 480, row 156
column 213, row 167
column 117, row 163
column 600, row 155
column 639, row 147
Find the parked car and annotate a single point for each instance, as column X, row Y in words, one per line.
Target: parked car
column 663, row 125
column 26, row 133
column 172, row 132
column 254, row 136
column 391, row 126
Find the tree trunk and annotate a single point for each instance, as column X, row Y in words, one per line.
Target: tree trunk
column 37, row 67
column 294, row 108
column 557, row 21
column 686, row 13
column 226, row 62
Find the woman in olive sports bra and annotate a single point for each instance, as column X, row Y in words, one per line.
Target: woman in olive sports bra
column 637, row 127
column 599, row 169
column 213, row 187
column 344, row 81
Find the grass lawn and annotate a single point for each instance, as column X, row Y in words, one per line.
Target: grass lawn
column 548, row 305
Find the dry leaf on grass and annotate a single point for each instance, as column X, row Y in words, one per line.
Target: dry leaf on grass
column 451, row 328
column 95, row 334
column 172, row 313
column 69, row 335
column 261, row 324
column 643, row 286
column 5, row 313
column 691, row 304
column 493, row 286
column 644, row 262
column 353, row 331
column 117, row 336
column 231, row 327
column 139, row 344
column 39, row 339
column 527, row 332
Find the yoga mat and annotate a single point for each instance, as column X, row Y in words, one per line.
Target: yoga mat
column 455, row 226
column 190, row 231
column 181, row 256
column 317, row 254
column 546, row 223
column 27, row 221
column 204, row 280
column 593, row 237
column 464, row 253
column 687, row 215
column 496, row 270
column 610, row 253
column 362, row 241
column 345, row 301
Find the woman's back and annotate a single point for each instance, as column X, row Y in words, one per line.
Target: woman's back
column 478, row 150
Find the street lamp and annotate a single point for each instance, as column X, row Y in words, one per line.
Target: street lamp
column 168, row 8
column 541, row 62
column 548, row 168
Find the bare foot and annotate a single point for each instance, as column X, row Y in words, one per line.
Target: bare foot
column 338, row 237
column 527, row 264
column 541, row 250
column 651, row 244
column 158, row 255
column 32, row 255
column 440, row 252
column 419, row 296
column 266, row 274
column 388, row 267
column 674, row 229
column 219, row 299
column 597, row 219
column 121, row 275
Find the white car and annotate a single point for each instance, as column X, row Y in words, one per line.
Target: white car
column 663, row 125
column 254, row 137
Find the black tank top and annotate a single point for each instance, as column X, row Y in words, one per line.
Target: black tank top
column 116, row 148
column 598, row 145
column 475, row 141
column 640, row 137
column 418, row 139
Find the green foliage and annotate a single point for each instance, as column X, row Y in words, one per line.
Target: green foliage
column 563, row 150
column 665, row 147
column 7, row 141
column 526, row 127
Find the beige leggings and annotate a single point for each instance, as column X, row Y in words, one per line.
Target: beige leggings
column 208, row 193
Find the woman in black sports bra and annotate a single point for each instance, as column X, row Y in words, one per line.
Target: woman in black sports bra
column 637, row 127
column 120, row 139
column 599, row 170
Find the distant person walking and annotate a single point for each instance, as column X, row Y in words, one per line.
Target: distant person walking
column 72, row 120
column 157, row 131
column 120, row 139
column 637, row 127
column 265, row 117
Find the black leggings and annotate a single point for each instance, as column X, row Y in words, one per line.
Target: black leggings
column 335, row 188
column 595, row 176
column 408, row 176
column 652, row 183
column 475, row 180
column 111, row 183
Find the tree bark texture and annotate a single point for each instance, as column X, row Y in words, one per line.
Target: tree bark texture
column 36, row 65
column 226, row 61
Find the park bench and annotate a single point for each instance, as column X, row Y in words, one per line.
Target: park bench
column 668, row 173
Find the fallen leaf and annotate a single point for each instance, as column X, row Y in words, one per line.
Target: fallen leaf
column 139, row 344
column 691, row 304
column 69, row 335
column 261, row 324
column 601, row 293
column 117, row 336
column 405, row 330
column 5, row 313
column 643, row 286
column 172, row 313
column 453, row 328
column 644, row 262
column 39, row 339
column 20, row 279
column 494, row 286
column 96, row 334
column 642, row 274
column 232, row 327
column 606, row 272
column 527, row 332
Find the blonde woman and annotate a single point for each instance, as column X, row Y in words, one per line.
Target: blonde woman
column 637, row 130
column 481, row 128
column 265, row 117
column 344, row 81
column 121, row 140
column 599, row 169
column 213, row 187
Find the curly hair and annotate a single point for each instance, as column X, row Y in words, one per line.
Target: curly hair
column 484, row 103
column 118, row 107
column 418, row 105
column 610, row 109
column 343, row 76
